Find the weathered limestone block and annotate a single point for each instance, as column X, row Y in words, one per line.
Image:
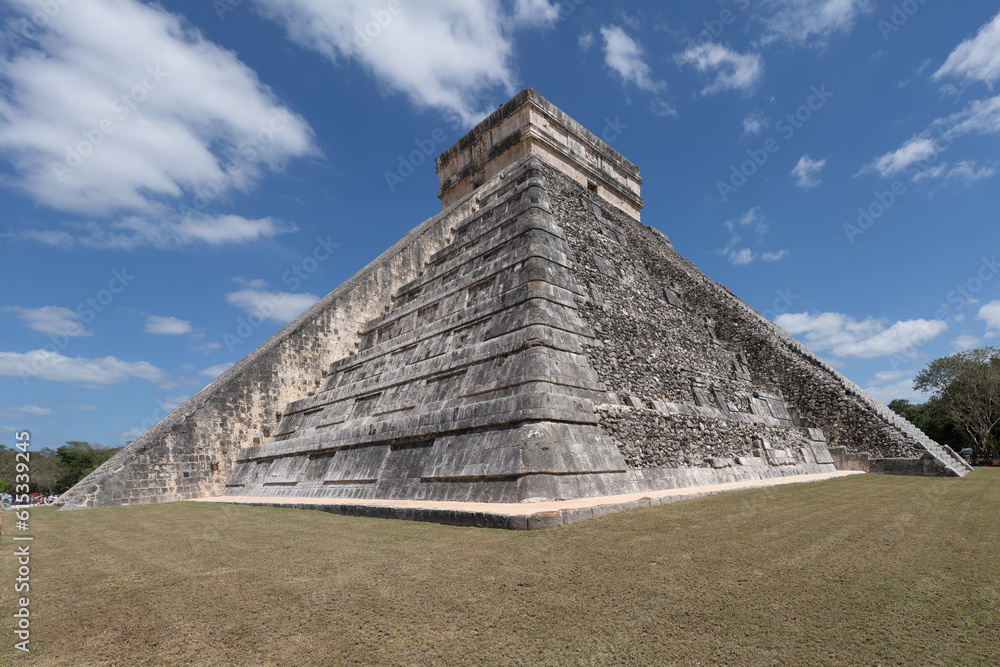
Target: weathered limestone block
column 483, row 357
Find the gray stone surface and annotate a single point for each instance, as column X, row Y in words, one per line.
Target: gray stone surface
column 482, row 359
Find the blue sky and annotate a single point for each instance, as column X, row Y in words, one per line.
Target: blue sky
column 179, row 180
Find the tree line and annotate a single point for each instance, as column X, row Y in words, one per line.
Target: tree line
column 54, row 470
column 964, row 405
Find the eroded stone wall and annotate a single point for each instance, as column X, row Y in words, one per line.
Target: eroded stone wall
column 191, row 452
column 670, row 334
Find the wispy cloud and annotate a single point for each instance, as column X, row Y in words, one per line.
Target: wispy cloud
column 977, row 58
column 167, row 325
column 536, row 13
column 808, row 21
column 122, row 106
column 624, row 56
column 754, row 123
column 738, row 251
column 439, row 54
column 281, row 307
column 847, row 337
column 805, row 172
column 216, row 370
column 732, row 70
column 48, row 365
column 54, row 320
column 978, row 117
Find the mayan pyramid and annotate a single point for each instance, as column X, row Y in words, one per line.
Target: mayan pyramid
column 533, row 341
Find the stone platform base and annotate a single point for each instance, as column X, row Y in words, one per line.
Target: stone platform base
column 513, row 516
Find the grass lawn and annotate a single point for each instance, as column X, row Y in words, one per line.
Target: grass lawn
column 862, row 570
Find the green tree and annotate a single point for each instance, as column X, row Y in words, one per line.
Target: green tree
column 79, row 459
column 966, row 389
column 44, row 470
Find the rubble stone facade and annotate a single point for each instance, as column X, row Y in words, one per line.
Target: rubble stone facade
column 534, row 341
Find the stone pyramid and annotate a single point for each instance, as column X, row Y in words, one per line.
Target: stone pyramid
column 534, row 341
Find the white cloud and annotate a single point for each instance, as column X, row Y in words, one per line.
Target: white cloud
column 967, row 172
column 751, row 221
column 990, row 313
column 623, row 55
column 585, row 41
column 138, row 108
column 168, row 231
column 281, row 307
column 662, row 108
column 812, row 21
column 888, row 376
column 171, row 403
column 902, row 389
column 966, row 343
column 846, row 337
column 31, row 410
column 54, row 320
column 978, row 117
column 741, row 257
column 733, row 71
column 753, row 218
column 255, row 283
column 536, row 13
column 915, row 150
column 167, row 325
column 47, row 365
column 439, row 54
column 977, row 58
column 754, row 123
column 805, row 172
column 216, row 370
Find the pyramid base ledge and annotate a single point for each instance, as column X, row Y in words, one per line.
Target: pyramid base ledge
column 537, row 514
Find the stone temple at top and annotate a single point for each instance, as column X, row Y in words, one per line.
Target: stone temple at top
column 533, row 341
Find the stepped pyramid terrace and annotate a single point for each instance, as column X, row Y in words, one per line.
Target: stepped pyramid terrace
column 533, row 343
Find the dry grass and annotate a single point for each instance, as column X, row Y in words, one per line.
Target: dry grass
column 861, row 570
